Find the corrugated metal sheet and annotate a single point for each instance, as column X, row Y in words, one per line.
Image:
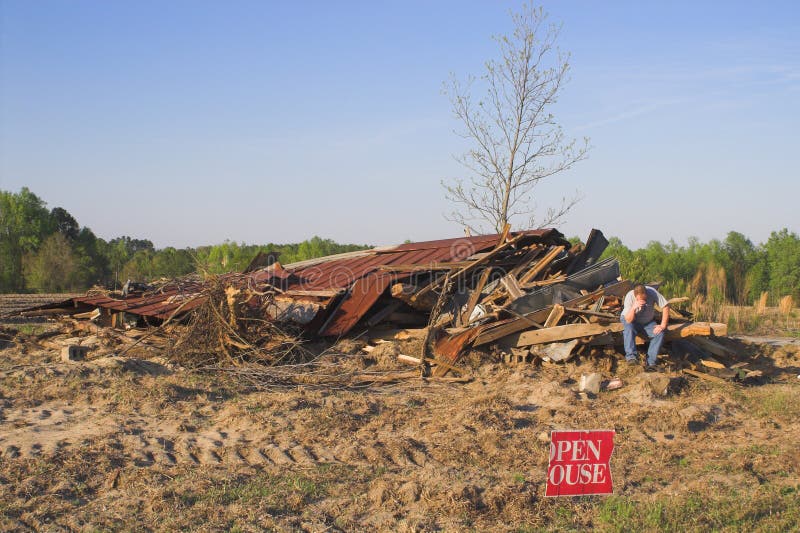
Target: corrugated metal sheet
column 358, row 273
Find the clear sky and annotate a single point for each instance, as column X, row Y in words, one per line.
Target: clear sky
column 192, row 122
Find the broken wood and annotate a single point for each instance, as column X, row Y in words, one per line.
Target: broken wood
column 563, row 333
column 470, row 267
column 712, row 346
column 541, row 265
column 554, row 317
column 703, row 375
column 407, row 293
column 474, row 297
column 512, row 287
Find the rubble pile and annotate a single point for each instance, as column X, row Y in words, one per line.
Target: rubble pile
column 531, row 296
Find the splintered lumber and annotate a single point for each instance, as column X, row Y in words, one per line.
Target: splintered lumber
column 696, row 329
column 470, row 267
column 590, row 313
column 502, row 329
column 476, row 294
column 534, row 251
column 711, row 363
column 409, row 294
column 512, row 287
column 409, row 360
column 703, row 375
column 541, row 265
column 555, row 316
column 563, row 333
column 712, row 346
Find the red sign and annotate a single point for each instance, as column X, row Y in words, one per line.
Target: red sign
column 580, row 463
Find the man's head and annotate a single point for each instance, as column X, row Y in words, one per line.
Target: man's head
column 640, row 293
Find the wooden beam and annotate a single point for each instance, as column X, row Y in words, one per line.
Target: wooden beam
column 476, row 294
column 498, row 331
column 564, row 333
column 555, row 316
column 407, row 293
column 703, row 375
column 696, row 329
column 712, row 346
column 590, row 313
column 534, row 251
column 541, row 265
column 512, row 287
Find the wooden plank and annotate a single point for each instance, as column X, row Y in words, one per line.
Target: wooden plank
column 543, row 282
column 564, row 333
column 317, row 294
column 512, row 287
column 591, row 313
column 476, row 294
column 534, row 251
column 504, row 233
column 703, row 375
column 541, row 265
column 712, row 363
column 695, row 329
column 497, row 331
column 712, row 347
column 555, row 316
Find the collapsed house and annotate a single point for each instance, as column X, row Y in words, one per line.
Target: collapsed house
column 532, row 294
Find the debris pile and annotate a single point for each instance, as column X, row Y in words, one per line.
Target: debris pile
column 531, row 296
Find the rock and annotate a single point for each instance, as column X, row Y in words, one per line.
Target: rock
column 659, row 384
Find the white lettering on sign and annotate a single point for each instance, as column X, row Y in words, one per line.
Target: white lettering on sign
column 579, row 450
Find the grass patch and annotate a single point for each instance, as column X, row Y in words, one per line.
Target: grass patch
column 777, row 403
column 280, row 492
column 769, row 509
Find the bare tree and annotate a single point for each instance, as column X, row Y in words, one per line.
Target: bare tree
column 516, row 141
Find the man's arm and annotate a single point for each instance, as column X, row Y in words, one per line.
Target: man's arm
column 664, row 321
column 631, row 313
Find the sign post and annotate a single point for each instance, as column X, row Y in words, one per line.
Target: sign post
column 580, row 463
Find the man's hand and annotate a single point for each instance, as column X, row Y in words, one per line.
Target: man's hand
column 658, row 329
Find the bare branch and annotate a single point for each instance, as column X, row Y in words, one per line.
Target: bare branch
column 517, row 141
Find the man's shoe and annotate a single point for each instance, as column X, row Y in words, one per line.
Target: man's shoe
column 632, row 362
column 651, row 368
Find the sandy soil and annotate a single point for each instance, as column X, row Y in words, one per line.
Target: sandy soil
column 142, row 444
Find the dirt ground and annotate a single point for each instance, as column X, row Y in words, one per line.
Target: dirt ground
column 124, row 443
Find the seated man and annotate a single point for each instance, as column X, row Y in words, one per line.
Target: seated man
column 638, row 317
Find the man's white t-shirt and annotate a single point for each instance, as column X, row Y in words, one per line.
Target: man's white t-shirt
column 647, row 312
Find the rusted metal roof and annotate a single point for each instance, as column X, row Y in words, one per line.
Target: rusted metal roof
column 358, row 276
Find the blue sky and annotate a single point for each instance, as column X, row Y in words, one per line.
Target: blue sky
column 192, row 122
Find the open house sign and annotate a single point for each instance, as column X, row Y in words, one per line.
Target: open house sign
column 580, row 463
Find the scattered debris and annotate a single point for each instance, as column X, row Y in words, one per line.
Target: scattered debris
column 530, row 294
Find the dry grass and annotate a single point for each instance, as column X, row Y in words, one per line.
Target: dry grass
column 758, row 319
column 413, row 457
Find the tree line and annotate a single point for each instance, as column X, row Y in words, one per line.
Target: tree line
column 45, row 250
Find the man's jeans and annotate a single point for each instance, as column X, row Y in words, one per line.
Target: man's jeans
column 629, row 336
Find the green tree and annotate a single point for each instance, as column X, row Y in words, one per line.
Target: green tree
column 783, row 258
column 741, row 256
column 24, row 223
column 53, row 268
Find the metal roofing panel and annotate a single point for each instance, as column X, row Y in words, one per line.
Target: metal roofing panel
column 339, row 272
